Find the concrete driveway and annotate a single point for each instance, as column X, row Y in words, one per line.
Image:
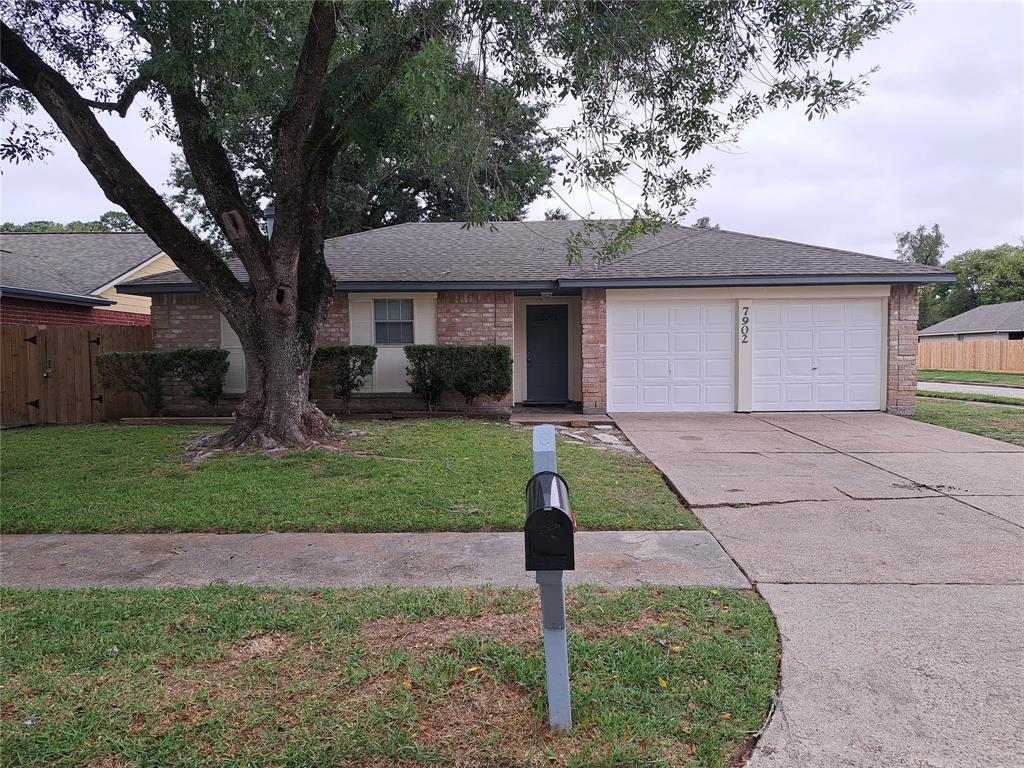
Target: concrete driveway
column 892, row 553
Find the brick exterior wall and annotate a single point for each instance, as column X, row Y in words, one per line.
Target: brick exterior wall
column 901, row 386
column 474, row 317
column 14, row 311
column 335, row 330
column 471, row 318
column 184, row 320
column 595, row 350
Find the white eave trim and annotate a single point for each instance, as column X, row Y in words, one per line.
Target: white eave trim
column 128, row 274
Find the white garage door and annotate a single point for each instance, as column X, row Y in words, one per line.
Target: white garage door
column 671, row 356
column 817, row 355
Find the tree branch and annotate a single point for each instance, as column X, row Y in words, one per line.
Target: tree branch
column 292, row 126
column 216, row 180
column 124, row 101
column 118, row 178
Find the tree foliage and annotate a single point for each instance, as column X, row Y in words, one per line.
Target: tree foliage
column 983, row 276
column 927, row 247
column 111, row 221
column 314, row 86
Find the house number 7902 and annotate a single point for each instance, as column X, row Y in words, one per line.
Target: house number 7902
column 744, row 325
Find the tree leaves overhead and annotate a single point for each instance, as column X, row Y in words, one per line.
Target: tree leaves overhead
column 652, row 83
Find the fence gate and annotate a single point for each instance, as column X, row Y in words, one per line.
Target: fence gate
column 48, row 375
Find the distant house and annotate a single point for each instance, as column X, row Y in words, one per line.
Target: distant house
column 989, row 322
column 71, row 278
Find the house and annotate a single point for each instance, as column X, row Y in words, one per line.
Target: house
column 71, row 278
column 989, row 322
column 695, row 320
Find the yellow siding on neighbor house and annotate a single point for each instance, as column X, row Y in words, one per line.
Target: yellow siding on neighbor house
column 138, row 305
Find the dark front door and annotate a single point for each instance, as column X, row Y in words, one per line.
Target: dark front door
column 547, row 353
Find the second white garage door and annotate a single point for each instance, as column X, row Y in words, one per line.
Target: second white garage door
column 817, row 355
column 671, row 356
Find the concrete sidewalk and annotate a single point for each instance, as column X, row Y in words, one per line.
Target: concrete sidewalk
column 972, row 389
column 609, row 558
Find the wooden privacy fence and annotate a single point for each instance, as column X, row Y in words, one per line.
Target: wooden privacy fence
column 1003, row 355
column 48, row 375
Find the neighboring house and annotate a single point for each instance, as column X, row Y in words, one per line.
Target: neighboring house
column 689, row 320
column 71, row 278
column 989, row 322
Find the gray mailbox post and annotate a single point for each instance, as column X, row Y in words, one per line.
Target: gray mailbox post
column 549, row 533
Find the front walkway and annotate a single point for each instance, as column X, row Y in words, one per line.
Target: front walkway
column 891, row 554
column 610, row 558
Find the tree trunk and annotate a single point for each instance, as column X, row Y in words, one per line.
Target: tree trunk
column 279, row 347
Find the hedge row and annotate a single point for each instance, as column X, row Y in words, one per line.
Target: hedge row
column 144, row 373
column 433, row 370
column 471, row 371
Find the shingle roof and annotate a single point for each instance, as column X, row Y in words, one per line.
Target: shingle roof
column 988, row 317
column 74, row 264
column 534, row 252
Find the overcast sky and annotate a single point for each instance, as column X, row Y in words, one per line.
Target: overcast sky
column 938, row 138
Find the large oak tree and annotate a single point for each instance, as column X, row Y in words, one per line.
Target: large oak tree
column 651, row 84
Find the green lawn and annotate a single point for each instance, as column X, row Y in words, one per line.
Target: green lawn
column 972, row 396
column 244, row 677
column 444, row 474
column 972, row 377
column 1006, row 424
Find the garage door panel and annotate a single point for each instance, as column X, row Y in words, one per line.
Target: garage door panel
column 863, row 338
column 654, row 369
column 717, row 315
column 687, row 368
column 766, row 315
column 624, row 343
column 863, row 366
column 718, row 341
column 655, row 317
column 624, row 369
column 654, row 343
column 681, row 359
column 794, row 367
column 686, row 316
column 797, row 314
column 624, row 317
column 626, row 395
column 686, row 342
column 719, row 394
column 717, row 369
column 817, row 355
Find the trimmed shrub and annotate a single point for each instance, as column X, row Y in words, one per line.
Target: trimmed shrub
column 345, row 368
column 204, row 371
column 481, row 370
column 471, row 371
column 139, row 372
column 429, row 371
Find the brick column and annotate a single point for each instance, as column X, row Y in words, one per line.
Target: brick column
column 901, row 384
column 595, row 350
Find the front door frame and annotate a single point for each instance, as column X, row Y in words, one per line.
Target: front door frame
column 575, row 367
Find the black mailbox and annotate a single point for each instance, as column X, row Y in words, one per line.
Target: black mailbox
column 549, row 524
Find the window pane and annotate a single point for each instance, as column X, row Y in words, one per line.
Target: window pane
column 380, row 309
column 405, row 310
column 393, row 333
